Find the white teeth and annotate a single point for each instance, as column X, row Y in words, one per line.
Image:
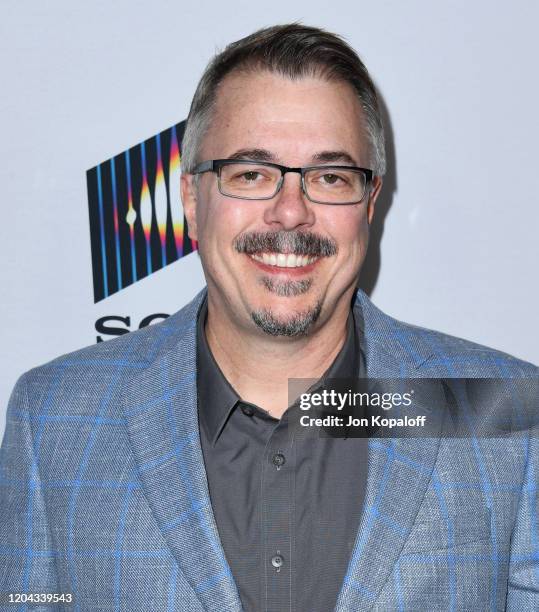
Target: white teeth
column 291, row 260
column 283, row 260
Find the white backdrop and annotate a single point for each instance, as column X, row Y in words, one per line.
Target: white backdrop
column 458, row 225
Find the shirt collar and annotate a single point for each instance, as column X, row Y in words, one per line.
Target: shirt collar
column 216, row 396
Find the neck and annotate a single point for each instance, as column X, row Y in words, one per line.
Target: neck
column 259, row 366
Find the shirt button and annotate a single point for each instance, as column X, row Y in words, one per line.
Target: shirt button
column 247, row 410
column 277, row 561
column 278, row 460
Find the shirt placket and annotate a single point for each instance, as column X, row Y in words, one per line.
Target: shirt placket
column 277, row 496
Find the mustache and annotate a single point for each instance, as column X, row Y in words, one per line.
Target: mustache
column 283, row 241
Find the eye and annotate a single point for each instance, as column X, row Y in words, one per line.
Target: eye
column 250, row 176
column 247, row 176
column 331, row 179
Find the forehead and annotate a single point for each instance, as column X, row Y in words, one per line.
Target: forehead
column 294, row 119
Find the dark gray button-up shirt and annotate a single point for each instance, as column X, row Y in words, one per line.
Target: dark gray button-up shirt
column 287, row 501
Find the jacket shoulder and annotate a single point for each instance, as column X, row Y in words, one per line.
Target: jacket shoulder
column 79, row 380
column 435, row 352
column 466, row 358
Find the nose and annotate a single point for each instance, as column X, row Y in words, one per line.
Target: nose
column 289, row 209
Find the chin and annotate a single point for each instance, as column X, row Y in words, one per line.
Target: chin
column 278, row 319
column 286, row 305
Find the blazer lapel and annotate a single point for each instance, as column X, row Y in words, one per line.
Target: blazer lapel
column 399, row 470
column 160, row 407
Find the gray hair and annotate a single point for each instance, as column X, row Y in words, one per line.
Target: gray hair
column 294, row 51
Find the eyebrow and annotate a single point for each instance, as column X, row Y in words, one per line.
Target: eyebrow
column 268, row 156
column 334, row 156
column 254, row 154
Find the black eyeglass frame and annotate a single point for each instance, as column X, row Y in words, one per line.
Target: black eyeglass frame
column 215, row 165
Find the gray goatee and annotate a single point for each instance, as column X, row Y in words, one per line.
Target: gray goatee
column 297, row 325
column 288, row 288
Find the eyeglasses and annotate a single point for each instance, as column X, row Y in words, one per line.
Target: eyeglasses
column 257, row 180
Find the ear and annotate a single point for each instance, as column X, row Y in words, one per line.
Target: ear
column 188, row 192
column 374, row 192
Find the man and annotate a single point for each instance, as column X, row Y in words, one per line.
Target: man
column 165, row 470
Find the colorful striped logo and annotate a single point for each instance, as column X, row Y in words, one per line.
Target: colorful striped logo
column 137, row 225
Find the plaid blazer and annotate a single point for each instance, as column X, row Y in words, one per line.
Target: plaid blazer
column 103, row 491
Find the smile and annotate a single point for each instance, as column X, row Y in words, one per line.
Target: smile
column 284, row 260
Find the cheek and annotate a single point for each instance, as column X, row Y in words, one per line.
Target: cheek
column 350, row 229
column 223, row 219
column 363, row 234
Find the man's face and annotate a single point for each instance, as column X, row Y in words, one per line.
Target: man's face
column 293, row 123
